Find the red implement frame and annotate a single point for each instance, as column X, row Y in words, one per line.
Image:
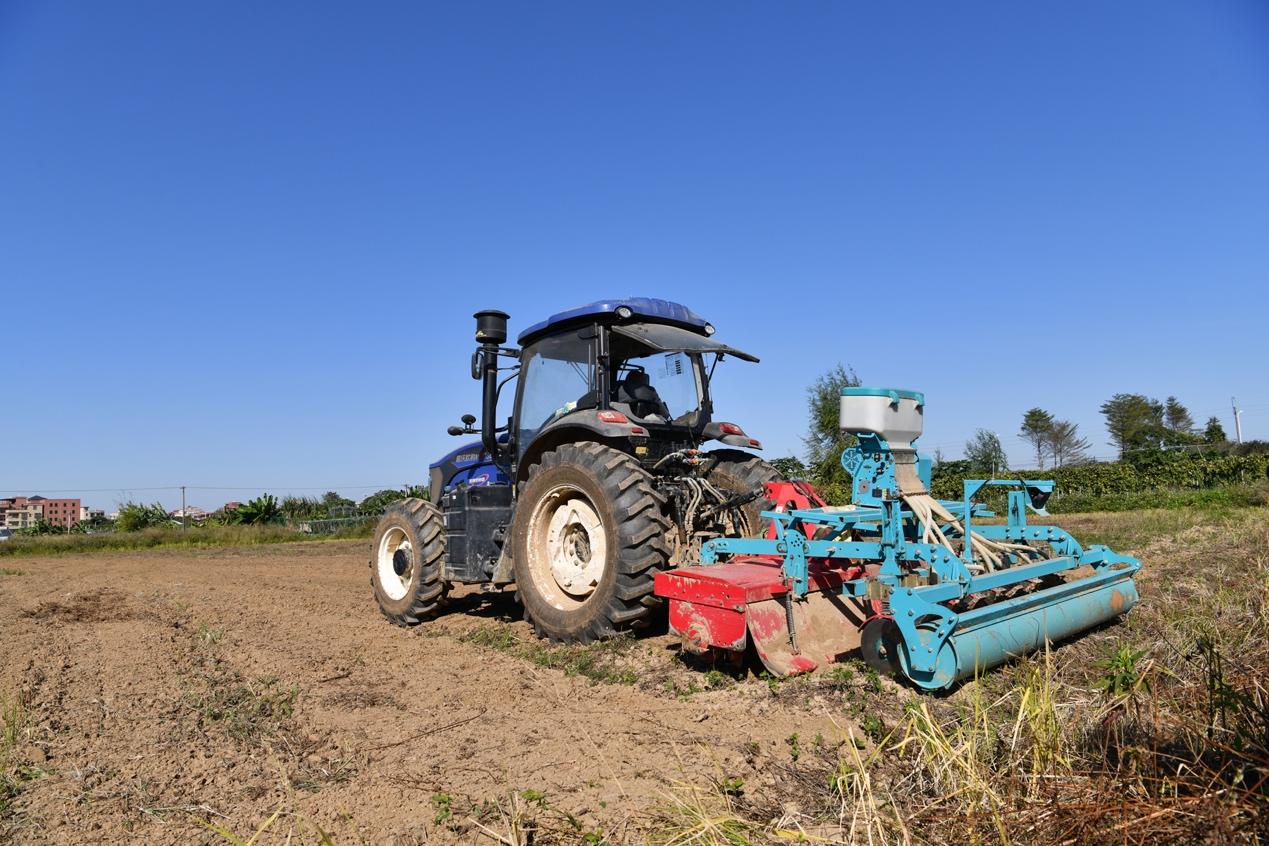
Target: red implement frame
column 721, row 606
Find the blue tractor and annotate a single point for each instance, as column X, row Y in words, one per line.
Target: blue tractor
column 610, row 469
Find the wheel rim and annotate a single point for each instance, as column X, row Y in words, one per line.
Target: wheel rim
column 567, row 546
column 394, row 563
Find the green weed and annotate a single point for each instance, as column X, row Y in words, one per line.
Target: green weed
column 715, row 679
column 1122, row 678
column 795, row 750
column 443, row 803
column 602, row 662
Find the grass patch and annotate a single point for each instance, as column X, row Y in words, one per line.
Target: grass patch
column 518, row 817
column 1221, row 497
column 603, row 662
column 169, row 538
column 15, row 729
column 250, row 710
column 300, row 830
column 11, row 571
column 706, row 815
column 1133, row 531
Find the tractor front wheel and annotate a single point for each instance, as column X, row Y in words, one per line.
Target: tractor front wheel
column 589, row 534
column 406, row 559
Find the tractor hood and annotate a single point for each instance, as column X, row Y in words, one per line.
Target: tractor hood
column 661, row 337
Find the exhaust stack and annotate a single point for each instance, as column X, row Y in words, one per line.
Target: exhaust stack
column 491, row 333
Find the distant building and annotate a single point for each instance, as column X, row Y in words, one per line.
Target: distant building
column 86, row 513
column 12, row 502
column 193, row 512
column 62, row 513
column 22, row 512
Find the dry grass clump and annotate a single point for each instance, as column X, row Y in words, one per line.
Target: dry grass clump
column 15, row 770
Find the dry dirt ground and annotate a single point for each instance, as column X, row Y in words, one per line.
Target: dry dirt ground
column 212, row 696
column 168, row 691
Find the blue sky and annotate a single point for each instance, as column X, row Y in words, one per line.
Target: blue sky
column 240, row 243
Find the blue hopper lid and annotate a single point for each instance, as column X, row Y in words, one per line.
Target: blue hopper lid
column 895, row 394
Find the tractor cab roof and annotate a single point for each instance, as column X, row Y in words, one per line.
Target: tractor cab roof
column 661, row 337
column 626, row 309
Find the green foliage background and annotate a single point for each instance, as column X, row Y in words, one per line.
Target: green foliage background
column 1113, row 486
column 1189, row 473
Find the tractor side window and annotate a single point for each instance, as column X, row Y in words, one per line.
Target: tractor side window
column 555, row 374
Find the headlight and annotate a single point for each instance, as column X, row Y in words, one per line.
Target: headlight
column 709, row 328
column 624, row 312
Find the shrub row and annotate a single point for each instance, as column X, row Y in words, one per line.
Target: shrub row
column 1178, row 471
column 171, row 537
column 1154, row 479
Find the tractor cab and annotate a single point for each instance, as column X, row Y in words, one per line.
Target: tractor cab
column 633, row 373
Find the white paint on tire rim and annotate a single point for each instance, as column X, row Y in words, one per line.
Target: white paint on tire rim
column 567, row 547
column 394, row 541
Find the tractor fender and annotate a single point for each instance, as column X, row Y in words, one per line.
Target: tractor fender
column 575, row 427
column 729, row 434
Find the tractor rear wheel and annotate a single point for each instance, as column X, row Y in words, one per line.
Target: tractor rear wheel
column 406, row 559
column 737, row 472
column 589, row 534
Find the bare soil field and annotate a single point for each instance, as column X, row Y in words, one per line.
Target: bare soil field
column 206, row 696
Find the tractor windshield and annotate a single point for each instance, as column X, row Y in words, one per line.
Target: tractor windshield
column 659, row 388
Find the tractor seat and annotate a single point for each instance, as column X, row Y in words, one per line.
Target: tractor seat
column 636, row 391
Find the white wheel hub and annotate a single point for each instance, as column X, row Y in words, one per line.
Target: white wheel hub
column 576, row 547
column 568, row 549
column 394, row 563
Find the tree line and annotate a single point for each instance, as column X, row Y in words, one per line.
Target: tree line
column 265, row 509
column 1138, row 426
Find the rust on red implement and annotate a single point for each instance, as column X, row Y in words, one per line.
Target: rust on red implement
column 826, row 627
column 723, row 606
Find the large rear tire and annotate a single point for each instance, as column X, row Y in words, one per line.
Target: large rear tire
column 589, row 533
column 406, row 559
column 739, row 472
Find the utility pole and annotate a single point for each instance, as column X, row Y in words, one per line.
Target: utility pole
column 1238, row 423
column 184, row 515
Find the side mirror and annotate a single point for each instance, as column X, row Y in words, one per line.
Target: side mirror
column 468, row 419
column 475, row 365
